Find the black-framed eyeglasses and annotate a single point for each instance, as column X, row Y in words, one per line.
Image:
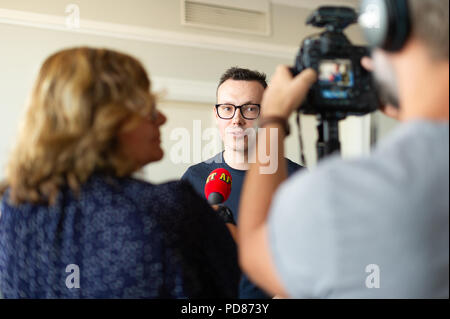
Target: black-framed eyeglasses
column 248, row 111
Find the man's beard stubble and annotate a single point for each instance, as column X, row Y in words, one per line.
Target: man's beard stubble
column 385, row 80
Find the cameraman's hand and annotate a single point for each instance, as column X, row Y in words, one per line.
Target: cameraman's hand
column 388, row 110
column 367, row 63
column 285, row 93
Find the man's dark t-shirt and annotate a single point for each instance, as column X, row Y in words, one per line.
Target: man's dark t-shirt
column 197, row 175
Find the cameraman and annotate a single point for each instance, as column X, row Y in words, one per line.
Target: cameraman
column 372, row 227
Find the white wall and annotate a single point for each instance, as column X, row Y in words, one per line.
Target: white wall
column 194, row 118
column 185, row 60
column 382, row 125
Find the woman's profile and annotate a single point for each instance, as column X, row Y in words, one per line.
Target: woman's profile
column 69, row 201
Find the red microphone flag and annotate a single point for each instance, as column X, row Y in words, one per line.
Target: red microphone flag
column 218, row 181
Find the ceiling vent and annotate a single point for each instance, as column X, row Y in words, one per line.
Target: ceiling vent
column 250, row 16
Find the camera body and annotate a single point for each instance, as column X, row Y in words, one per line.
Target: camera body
column 344, row 87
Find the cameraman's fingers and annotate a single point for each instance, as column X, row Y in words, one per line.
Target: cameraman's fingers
column 281, row 76
column 367, row 63
column 301, row 85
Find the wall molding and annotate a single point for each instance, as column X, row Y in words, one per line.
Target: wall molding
column 130, row 32
column 314, row 4
column 184, row 90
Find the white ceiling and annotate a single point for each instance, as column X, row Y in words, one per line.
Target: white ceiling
column 312, row 4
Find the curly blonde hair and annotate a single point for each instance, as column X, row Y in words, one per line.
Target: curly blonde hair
column 80, row 101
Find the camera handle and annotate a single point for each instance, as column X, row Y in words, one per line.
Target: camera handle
column 328, row 132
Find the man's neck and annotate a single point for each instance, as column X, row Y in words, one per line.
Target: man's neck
column 423, row 85
column 432, row 104
column 236, row 159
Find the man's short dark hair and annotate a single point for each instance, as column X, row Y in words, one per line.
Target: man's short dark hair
column 430, row 24
column 241, row 74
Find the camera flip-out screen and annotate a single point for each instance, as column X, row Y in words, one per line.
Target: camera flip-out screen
column 335, row 78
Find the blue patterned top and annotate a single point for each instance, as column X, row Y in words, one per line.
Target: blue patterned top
column 120, row 238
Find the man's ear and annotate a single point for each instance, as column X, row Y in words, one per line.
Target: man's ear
column 215, row 113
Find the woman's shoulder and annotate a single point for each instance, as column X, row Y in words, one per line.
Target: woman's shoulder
column 166, row 195
column 131, row 185
column 173, row 188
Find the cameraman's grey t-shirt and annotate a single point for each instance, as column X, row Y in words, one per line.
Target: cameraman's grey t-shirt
column 373, row 227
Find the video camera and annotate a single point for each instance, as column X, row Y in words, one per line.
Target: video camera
column 344, row 87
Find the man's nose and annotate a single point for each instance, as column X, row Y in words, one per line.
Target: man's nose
column 238, row 118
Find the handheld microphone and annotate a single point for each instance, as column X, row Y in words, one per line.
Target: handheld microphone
column 218, row 186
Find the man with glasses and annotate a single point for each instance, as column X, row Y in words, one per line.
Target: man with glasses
column 239, row 95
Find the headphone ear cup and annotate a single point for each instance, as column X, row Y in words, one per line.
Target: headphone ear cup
column 398, row 25
column 386, row 23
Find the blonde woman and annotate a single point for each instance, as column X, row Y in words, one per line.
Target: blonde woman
column 74, row 223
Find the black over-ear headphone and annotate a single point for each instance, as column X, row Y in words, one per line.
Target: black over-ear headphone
column 386, row 23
